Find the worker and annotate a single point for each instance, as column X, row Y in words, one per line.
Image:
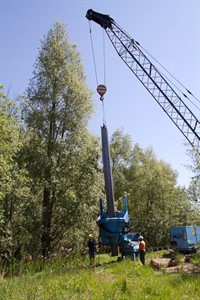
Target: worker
column 91, row 248
column 142, row 249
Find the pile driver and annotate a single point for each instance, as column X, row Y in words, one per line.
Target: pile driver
column 114, row 226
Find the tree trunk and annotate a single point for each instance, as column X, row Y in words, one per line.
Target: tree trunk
column 48, row 196
column 46, row 223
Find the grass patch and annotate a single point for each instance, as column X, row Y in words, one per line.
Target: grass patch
column 195, row 259
column 74, row 279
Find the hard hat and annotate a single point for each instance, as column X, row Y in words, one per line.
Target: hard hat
column 90, row 236
column 140, row 237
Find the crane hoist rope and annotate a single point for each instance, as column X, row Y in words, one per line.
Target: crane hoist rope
column 101, row 88
column 93, row 55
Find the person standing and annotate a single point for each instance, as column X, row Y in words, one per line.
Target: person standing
column 142, row 249
column 91, row 249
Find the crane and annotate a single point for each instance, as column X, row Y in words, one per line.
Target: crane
column 130, row 52
column 114, row 227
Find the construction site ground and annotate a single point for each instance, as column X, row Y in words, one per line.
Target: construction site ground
column 172, row 265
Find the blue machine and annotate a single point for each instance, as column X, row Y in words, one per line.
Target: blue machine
column 114, row 226
column 185, row 239
column 116, row 231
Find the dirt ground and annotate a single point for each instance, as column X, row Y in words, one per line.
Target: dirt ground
column 172, row 266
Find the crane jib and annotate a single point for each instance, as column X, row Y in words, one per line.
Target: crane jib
column 153, row 80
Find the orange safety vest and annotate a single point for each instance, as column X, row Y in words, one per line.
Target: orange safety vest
column 142, row 245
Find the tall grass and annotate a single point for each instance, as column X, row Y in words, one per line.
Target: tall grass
column 196, row 259
column 74, row 279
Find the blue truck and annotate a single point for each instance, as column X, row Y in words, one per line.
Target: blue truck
column 185, row 239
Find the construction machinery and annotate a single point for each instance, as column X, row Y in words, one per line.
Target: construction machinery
column 114, row 226
column 185, row 239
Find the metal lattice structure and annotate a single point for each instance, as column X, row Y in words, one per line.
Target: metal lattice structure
column 155, row 83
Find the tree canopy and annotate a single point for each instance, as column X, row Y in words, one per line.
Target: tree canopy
column 154, row 200
column 61, row 154
column 14, row 179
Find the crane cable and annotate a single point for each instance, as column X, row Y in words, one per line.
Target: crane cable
column 104, row 67
column 187, row 90
column 104, row 57
column 94, row 62
column 95, row 68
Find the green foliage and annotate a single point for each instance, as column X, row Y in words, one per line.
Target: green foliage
column 9, row 144
column 196, row 259
column 194, row 187
column 154, row 200
column 14, row 188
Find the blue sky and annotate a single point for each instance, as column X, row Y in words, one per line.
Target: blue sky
column 168, row 30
